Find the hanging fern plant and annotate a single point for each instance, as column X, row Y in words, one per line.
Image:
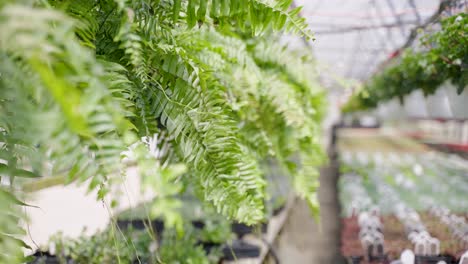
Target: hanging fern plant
column 81, row 81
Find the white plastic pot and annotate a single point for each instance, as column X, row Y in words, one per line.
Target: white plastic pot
column 458, row 102
column 391, row 110
column 415, row 105
column 438, row 105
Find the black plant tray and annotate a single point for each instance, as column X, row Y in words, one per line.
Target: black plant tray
column 40, row 257
column 140, row 224
column 434, row 259
column 379, row 259
column 355, row 259
column 242, row 229
column 240, row 250
column 156, row 224
column 237, row 250
column 208, row 246
column 278, row 210
column 199, row 224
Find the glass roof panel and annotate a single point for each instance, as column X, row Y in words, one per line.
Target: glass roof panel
column 354, row 36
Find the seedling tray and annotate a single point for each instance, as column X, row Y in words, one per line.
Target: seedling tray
column 434, row 259
column 240, row 250
column 44, row 257
column 242, row 229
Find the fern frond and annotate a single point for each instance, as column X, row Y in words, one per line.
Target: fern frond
column 199, row 120
column 99, row 73
column 283, row 97
column 131, row 43
column 9, row 231
column 70, row 84
column 276, row 14
column 261, row 15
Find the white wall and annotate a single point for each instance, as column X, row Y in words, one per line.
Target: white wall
column 70, row 208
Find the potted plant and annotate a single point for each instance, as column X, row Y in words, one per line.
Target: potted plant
column 107, row 246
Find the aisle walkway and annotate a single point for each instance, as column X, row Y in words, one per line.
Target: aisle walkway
column 302, row 241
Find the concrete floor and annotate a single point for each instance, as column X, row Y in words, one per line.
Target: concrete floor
column 302, row 240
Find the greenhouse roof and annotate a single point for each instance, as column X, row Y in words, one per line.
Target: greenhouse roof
column 354, row 37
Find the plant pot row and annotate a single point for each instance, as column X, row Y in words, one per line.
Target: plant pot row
column 157, row 225
column 418, row 260
column 237, row 250
column 44, row 257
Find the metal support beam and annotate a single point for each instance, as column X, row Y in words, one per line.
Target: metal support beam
column 396, row 16
column 362, row 28
column 435, row 17
column 415, row 11
column 388, row 29
column 374, row 55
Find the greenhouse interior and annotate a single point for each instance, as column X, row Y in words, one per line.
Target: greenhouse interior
column 233, row 131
